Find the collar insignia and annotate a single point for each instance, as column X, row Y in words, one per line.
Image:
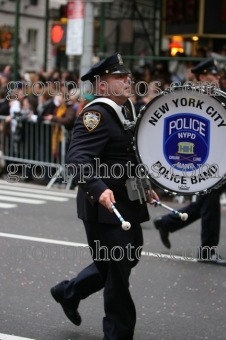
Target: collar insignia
column 91, row 120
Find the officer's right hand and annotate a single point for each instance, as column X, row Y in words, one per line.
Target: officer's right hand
column 106, row 198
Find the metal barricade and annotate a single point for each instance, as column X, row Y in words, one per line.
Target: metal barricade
column 39, row 148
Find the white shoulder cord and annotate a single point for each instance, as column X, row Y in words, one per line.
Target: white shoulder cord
column 125, row 123
column 133, row 110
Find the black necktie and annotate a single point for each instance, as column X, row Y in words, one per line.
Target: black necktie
column 127, row 116
column 124, row 113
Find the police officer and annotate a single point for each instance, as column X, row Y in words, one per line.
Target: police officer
column 206, row 207
column 101, row 150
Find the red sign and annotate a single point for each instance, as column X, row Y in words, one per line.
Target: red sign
column 75, row 10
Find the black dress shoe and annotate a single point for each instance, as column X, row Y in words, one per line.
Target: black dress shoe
column 214, row 259
column 72, row 314
column 164, row 235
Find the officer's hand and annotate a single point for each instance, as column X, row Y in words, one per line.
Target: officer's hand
column 152, row 196
column 106, row 198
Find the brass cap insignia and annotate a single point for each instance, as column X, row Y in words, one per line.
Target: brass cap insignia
column 91, row 120
column 120, row 59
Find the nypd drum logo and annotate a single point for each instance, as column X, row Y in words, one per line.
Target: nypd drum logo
column 186, row 140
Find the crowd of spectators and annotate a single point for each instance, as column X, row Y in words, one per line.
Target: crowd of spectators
column 37, row 98
column 160, row 74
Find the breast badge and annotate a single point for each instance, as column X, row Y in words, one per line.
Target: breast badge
column 91, row 120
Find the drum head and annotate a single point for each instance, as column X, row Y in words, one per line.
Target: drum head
column 180, row 139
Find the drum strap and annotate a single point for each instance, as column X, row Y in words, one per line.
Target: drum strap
column 127, row 124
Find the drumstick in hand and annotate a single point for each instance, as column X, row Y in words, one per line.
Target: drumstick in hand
column 125, row 225
column 183, row 216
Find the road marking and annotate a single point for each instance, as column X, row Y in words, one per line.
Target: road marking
column 25, row 194
column 21, row 200
column 12, row 337
column 7, row 206
column 75, row 244
column 20, row 188
column 44, row 240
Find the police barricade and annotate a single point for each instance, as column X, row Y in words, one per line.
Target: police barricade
column 34, row 149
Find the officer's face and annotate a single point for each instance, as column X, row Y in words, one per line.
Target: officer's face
column 119, row 87
column 211, row 78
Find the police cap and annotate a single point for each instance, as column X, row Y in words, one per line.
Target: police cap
column 206, row 66
column 109, row 65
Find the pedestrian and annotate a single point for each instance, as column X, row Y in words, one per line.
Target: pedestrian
column 99, row 136
column 206, row 207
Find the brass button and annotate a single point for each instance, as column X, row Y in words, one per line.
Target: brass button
column 91, row 197
column 87, row 192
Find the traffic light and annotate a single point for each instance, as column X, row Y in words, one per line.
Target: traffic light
column 6, row 39
column 58, row 34
column 63, row 11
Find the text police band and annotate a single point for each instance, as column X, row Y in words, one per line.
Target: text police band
column 210, row 171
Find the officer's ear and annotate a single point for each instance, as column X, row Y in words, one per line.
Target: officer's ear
column 202, row 78
column 103, row 86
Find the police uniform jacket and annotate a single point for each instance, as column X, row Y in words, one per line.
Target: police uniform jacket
column 106, row 148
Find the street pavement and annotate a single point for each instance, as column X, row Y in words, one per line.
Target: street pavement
column 42, row 242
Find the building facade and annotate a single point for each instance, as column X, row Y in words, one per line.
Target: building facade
column 31, row 33
column 130, row 27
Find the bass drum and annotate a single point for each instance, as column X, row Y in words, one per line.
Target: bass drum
column 180, row 139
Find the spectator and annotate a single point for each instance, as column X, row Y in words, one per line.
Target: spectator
column 63, row 115
column 4, row 103
column 4, row 79
column 178, row 68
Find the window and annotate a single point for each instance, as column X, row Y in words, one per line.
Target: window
column 32, row 39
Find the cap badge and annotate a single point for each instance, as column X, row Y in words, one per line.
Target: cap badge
column 120, row 59
column 91, row 120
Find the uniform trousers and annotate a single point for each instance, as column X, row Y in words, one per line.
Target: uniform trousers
column 115, row 252
column 206, row 207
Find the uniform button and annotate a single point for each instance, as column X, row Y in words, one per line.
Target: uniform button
column 128, row 149
column 87, row 192
column 91, row 197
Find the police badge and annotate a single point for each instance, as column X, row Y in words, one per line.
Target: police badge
column 91, row 120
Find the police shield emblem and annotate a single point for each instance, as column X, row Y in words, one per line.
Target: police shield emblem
column 186, row 141
column 91, row 120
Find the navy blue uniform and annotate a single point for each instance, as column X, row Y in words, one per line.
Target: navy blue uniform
column 206, row 207
column 112, row 145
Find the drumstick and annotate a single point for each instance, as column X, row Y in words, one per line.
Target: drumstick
column 183, row 216
column 125, row 225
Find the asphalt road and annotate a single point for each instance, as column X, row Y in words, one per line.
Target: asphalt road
column 41, row 244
